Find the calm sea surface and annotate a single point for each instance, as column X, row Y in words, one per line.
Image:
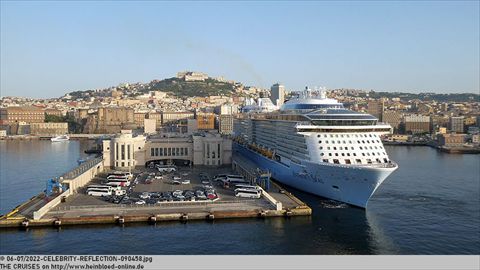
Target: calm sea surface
column 431, row 205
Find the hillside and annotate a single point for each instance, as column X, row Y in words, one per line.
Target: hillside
column 178, row 87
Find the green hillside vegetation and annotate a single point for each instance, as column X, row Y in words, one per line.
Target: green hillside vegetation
column 181, row 88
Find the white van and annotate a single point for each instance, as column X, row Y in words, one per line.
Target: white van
column 166, row 168
column 99, row 192
column 248, row 193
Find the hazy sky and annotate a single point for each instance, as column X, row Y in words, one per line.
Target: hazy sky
column 49, row 48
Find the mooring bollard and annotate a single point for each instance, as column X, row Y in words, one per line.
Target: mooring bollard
column 25, row 223
column 121, row 220
column 57, row 223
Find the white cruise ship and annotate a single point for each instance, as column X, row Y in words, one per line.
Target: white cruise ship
column 316, row 145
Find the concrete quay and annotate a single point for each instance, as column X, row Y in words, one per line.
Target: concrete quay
column 77, row 208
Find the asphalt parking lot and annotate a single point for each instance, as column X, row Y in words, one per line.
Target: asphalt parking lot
column 151, row 181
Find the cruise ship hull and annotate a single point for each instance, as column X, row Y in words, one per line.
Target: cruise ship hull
column 345, row 183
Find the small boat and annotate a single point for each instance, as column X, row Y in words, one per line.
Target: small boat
column 61, row 138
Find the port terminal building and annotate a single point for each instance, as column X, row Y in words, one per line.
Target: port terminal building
column 126, row 151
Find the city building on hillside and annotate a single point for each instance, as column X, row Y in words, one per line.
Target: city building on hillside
column 206, row 121
column 225, row 124
column 191, row 76
column 25, row 114
column 393, row 118
column 192, row 126
column 416, row 124
column 126, row 151
column 277, row 94
column 226, row 109
column 139, row 118
column 456, row 124
column 376, row 108
column 110, row 120
column 53, row 112
column 48, row 129
column 451, row 139
column 149, row 126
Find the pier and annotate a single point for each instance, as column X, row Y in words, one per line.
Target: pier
column 72, row 206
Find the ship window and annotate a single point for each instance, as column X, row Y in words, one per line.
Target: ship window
column 386, row 160
column 378, row 153
column 378, row 160
column 328, row 147
column 369, row 161
column 371, row 148
column 334, row 148
column 324, row 135
column 326, row 141
column 321, row 147
column 338, row 142
column 348, row 154
column 358, row 160
column 343, row 154
column 370, row 135
column 363, row 141
column 344, row 142
column 333, row 142
column 336, row 154
column 341, row 148
column 354, row 154
column 331, row 136
column 330, row 154
column 361, row 148
column 321, row 154
column 319, row 141
column 351, row 147
column 349, row 141
column 325, row 160
column 363, row 154
column 336, row 161
column 347, row 161
column 318, row 136
column 336, row 135
column 358, row 141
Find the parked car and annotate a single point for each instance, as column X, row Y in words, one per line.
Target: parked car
column 177, row 193
column 144, row 195
column 184, row 174
column 151, row 201
column 179, row 198
column 155, row 195
column 199, row 194
column 205, row 182
column 176, row 178
column 140, row 202
column 158, row 177
column 185, row 182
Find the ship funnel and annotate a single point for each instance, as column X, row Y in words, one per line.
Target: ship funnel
column 323, row 93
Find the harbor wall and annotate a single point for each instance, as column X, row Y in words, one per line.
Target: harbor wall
column 277, row 204
column 74, row 179
column 44, row 209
